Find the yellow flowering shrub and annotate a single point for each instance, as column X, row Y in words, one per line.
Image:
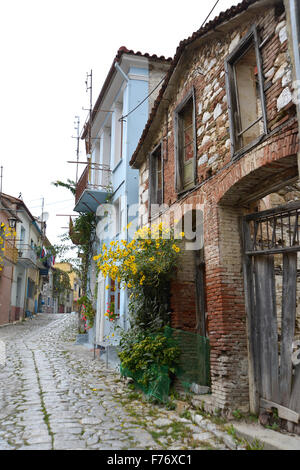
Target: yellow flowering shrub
column 152, row 254
column 5, row 233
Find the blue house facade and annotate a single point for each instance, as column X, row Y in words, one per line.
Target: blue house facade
column 109, row 187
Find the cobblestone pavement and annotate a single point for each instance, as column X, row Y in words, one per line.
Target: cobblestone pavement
column 53, row 395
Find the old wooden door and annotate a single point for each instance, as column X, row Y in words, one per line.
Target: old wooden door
column 271, row 246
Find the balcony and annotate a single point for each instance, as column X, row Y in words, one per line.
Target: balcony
column 27, row 256
column 10, row 255
column 92, row 188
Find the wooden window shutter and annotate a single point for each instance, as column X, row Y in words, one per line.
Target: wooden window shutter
column 179, row 154
column 162, row 173
column 151, row 182
column 232, row 105
column 195, row 139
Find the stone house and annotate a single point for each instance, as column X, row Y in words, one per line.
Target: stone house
column 21, row 282
column 66, row 300
column 8, row 261
column 220, row 152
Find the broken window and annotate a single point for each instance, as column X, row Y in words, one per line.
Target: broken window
column 156, row 179
column 185, row 143
column 245, row 93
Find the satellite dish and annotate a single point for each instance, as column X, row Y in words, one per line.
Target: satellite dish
column 45, row 216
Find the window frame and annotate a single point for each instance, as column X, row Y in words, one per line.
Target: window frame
column 179, row 183
column 251, row 37
column 152, row 174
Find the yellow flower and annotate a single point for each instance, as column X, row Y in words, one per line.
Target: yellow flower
column 151, row 259
column 175, row 248
column 181, row 234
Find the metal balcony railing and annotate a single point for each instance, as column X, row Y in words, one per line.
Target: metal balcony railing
column 27, row 255
column 95, row 176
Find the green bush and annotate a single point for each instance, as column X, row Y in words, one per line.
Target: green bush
column 151, row 353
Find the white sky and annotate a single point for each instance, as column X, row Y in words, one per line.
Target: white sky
column 46, row 50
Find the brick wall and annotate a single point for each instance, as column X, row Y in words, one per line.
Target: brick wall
column 183, row 294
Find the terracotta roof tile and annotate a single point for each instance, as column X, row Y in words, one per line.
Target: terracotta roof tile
column 122, row 50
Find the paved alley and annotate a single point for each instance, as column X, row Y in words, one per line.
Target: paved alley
column 53, row 395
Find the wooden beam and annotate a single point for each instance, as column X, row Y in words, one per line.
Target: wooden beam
column 267, row 323
column 273, row 251
column 283, row 412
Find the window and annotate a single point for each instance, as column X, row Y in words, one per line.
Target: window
column 246, row 104
column 156, row 178
column 30, row 288
column 115, row 296
column 105, row 155
column 118, row 214
column 22, row 237
column 185, row 143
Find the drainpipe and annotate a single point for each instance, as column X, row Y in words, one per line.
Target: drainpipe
column 121, row 72
column 295, row 36
column 117, row 66
column 293, row 25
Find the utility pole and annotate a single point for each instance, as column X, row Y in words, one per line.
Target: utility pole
column 89, row 87
column 77, row 137
column 43, row 223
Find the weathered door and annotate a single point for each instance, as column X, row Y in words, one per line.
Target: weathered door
column 272, row 290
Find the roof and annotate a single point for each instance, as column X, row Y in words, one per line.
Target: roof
column 122, row 50
column 210, row 26
column 4, row 206
column 18, row 202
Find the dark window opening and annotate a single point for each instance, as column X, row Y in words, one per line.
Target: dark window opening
column 30, row 289
column 187, row 138
column 156, row 178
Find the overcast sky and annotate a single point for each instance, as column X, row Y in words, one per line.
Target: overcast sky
column 46, row 50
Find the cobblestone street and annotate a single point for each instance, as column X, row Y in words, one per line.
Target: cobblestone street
column 53, row 395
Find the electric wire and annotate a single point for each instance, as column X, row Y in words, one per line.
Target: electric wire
column 52, row 203
column 122, row 118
